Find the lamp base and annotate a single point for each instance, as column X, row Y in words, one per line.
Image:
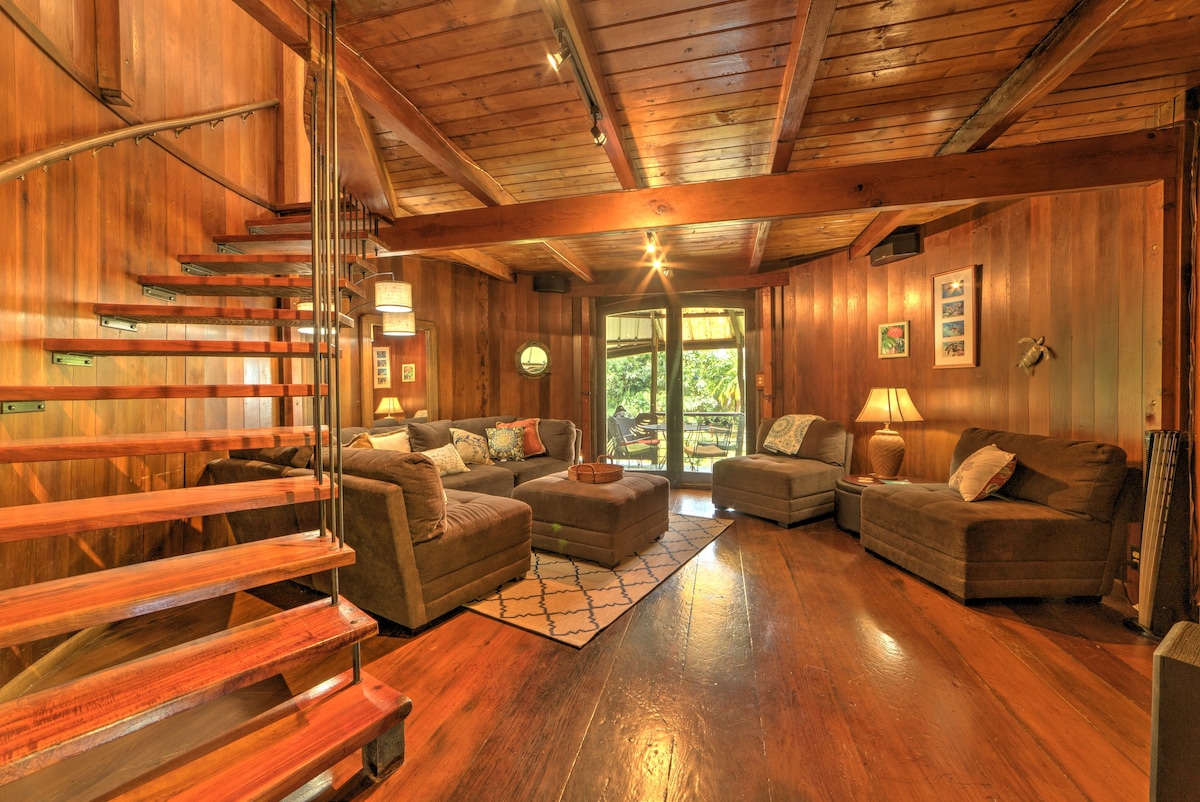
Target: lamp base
column 886, row 452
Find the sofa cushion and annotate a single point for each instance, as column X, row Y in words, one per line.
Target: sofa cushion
column 535, row 468
column 1079, row 477
column 360, row 440
column 993, row 530
column 506, row 444
column 532, row 444
column 417, row 477
column 291, row 456
column 558, row 436
column 825, row 440
column 477, row 527
column 776, row 476
column 490, row 479
column 983, row 473
column 425, row 436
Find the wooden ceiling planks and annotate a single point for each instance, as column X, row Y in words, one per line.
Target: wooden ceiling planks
column 696, row 95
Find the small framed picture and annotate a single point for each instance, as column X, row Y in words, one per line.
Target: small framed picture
column 408, row 372
column 893, row 339
column 955, row 322
column 383, row 367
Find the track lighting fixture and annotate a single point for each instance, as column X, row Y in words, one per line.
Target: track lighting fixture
column 559, row 56
column 597, row 135
column 651, row 243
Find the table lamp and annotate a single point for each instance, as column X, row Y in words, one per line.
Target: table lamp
column 886, row 447
column 389, row 406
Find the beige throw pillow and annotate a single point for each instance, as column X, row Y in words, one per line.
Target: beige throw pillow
column 473, row 448
column 393, row 441
column 983, row 473
column 447, row 460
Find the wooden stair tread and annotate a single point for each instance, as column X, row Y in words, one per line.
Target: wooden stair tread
column 212, row 315
column 242, row 285
column 138, row 347
column 284, row 748
column 43, row 449
column 294, row 242
column 30, row 521
column 57, row 723
column 66, row 392
column 32, row 612
column 269, row 263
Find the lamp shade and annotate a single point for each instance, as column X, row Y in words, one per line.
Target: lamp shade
column 399, row 324
column 887, row 405
column 393, row 296
column 389, row 405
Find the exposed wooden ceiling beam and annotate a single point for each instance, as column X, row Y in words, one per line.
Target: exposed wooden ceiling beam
column 569, row 15
column 804, row 56
column 876, row 230
column 569, row 259
column 482, row 262
column 1007, row 173
column 643, row 283
column 1073, row 41
column 364, row 172
column 762, row 234
column 290, row 24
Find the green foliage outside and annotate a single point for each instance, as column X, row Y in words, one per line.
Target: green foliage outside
column 710, row 382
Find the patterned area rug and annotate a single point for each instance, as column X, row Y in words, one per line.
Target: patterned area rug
column 571, row 600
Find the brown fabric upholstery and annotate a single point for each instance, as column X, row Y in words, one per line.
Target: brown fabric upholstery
column 1076, row 476
column 1048, row 537
column 784, row 488
column 424, row 500
column 603, row 523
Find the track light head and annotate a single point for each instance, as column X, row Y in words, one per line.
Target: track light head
column 598, row 136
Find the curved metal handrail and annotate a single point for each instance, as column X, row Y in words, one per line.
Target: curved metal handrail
column 18, row 167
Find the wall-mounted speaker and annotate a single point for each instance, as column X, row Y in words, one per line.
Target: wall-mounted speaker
column 548, row 282
column 900, row 244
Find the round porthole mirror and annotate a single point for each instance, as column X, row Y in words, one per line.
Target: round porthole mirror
column 533, row 359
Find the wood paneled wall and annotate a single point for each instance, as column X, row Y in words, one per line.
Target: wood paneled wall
column 1084, row 270
column 79, row 233
column 480, row 324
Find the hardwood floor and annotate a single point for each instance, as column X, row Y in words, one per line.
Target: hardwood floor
column 780, row 664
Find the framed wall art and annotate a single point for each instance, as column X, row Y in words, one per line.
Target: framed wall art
column 892, row 339
column 383, row 366
column 956, row 318
column 408, row 372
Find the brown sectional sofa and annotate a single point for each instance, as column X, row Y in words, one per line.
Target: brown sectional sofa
column 425, row 544
column 785, row 488
column 1056, row 528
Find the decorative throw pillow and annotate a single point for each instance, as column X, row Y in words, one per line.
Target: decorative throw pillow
column 446, row 459
column 533, row 444
column 361, row 440
column 473, row 448
column 983, row 473
column 393, row 441
column 506, row 444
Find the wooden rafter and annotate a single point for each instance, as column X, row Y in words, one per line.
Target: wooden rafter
column 804, row 56
column 1117, row 160
column 569, row 259
column 569, row 15
column 290, row 25
column 364, row 171
column 483, row 263
column 1075, row 39
column 763, row 233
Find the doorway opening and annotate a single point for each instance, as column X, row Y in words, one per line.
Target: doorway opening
column 674, row 378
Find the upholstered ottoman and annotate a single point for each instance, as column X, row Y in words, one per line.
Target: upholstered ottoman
column 601, row 523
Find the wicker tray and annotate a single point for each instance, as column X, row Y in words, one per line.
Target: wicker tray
column 595, row 473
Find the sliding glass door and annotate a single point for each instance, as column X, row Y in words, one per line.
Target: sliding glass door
column 674, row 379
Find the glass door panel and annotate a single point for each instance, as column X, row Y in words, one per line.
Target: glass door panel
column 635, row 389
column 714, row 387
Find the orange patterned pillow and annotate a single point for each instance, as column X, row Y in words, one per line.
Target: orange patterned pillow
column 533, row 443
